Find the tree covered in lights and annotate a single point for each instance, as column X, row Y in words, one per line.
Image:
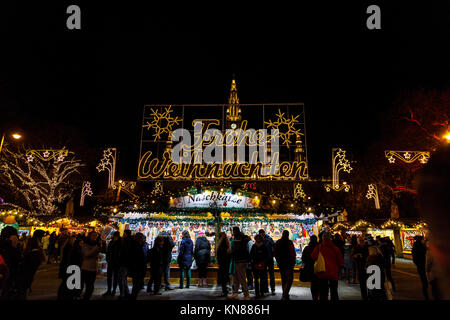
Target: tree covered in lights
column 41, row 186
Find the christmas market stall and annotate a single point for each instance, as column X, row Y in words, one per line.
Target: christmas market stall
column 152, row 224
column 22, row 220
column 407, row 235
column 300, row 227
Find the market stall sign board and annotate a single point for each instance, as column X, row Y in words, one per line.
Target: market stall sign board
column 214, row 199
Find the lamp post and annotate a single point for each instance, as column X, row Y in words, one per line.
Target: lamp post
column 15, row 136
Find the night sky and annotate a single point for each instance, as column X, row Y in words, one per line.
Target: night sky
column 96, row 81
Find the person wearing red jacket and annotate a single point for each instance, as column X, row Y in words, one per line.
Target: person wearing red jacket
column 328, row 280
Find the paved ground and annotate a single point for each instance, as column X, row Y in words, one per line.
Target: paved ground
column 405, row 276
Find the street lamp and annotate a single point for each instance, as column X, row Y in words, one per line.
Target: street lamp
column 447, row 136
column 15, row 136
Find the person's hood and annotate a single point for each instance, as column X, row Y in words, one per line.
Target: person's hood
column 327, row 243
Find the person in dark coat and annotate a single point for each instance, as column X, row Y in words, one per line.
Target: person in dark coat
column 52, row 247
column 308, row 267
column 15, row 286
column 138, row 265
column 285, row 256
column 33, row 256
column 269, row 243
column 334, row 261
column 376, row 258
column 157, row 256
column 388, row 251
column 419, row 252
column 258, row 262
column 340, row 244
column 240, row 259
column 112, row 259
column 185, row 256
column 359, row 256
column 124, row 264
column 168, row 246
column 202, row 255
column 71, row 255
column 223, row 259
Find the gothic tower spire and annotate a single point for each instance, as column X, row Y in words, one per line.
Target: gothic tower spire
column 233, row 110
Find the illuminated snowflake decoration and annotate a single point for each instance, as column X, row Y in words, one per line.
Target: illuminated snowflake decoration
column 162, row 122
column 285, row 126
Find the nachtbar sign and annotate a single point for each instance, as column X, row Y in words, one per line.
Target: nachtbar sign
column 214, row 199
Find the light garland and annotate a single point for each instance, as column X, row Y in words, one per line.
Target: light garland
column 362, row 224
column 407, row 156
column 47, row 154
column 392, row 223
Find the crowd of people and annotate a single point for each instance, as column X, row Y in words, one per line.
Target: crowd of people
column 244, row 264
column 329, row 259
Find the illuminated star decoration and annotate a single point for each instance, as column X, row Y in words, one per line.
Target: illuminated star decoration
column 423, row 160
column 407, row 155
column 372, row 193
column 108, row 162
column 298, row 191
column 30, row 159
column 46, row 154
column 287, row 124
column 158, row 190
column 162, row 122
column 85, row 191
column 391, row 159
column 60, row 158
